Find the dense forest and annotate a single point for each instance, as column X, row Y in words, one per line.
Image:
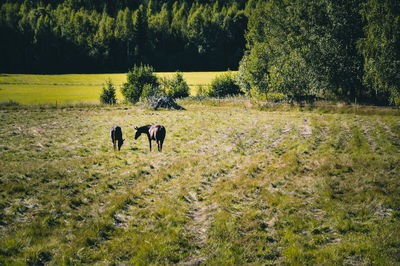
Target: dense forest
column 110, row 36
column 346, row 49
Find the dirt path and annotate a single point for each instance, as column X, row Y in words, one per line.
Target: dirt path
column 306, row 129
column 201, row 211
column 285, row 132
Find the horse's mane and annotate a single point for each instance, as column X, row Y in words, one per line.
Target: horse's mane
column 143, row 128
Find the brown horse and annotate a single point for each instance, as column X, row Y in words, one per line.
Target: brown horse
column 153, row 132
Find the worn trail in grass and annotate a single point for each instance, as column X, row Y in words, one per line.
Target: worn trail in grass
column 232, row 185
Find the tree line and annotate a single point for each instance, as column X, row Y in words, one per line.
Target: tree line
column 346, row 49
column 342, row 49
column 85, row 36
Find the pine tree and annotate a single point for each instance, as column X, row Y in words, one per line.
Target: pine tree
column 140, row 27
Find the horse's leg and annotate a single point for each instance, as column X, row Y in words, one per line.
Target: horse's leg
column 158, row 145
column 161, row 143
column 150, row 143
column 114, row 141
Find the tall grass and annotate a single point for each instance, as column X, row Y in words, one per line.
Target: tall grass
column 233, row 185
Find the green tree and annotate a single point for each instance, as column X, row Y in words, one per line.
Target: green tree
column 140, row 30
column 150, row 90
column 381, row 50
column 124, row 30
column 137, row 79
column 253, row 76
column 108, row 95
column 224, row 85
column 179, row 19
column 304, row 47
column 337, row 47
column 105, row 31
column 176, row 87
column 110, row 36
column 159, row 29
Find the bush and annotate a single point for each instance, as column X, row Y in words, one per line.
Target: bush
column 224, row 85
column 175, row 87
column 202, row 91
column 137, row 79
column 150, row 90
column 108, row 95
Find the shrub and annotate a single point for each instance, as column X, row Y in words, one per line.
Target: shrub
column 108, row 95
column 202, row 91
column 175, row 87
column 150, row 90
column 137, row 79
column 224, row 85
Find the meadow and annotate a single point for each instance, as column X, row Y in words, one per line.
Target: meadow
column 234, row 185
column 76, row 88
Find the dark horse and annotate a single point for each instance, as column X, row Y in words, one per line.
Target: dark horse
column 153, row 132
column 116, row 134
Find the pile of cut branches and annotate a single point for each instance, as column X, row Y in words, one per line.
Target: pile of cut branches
column 163, row 102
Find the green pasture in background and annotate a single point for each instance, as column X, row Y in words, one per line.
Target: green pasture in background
column 76, row 88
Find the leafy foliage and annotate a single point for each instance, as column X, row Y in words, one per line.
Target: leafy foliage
column 301, row 48
column 108, row 95
column 139, row 78
column 175, row 87
column 343, row 49
column 202, row 91
column 150, row 90
column 253, row 72
column 224, row 85
column 381, row 50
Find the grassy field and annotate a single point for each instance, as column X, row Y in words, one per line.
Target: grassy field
column 75, row 88
column 233, row 185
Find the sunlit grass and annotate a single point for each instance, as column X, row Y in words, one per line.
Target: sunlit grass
column 75, row 88
column 52, row 94
column 233, row 185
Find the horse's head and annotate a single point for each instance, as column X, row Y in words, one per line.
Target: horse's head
column 137, row 134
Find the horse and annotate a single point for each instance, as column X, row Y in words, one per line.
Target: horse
column 153, row 132
column 116, row 134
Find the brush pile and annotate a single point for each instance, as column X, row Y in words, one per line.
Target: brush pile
column 163, row 102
